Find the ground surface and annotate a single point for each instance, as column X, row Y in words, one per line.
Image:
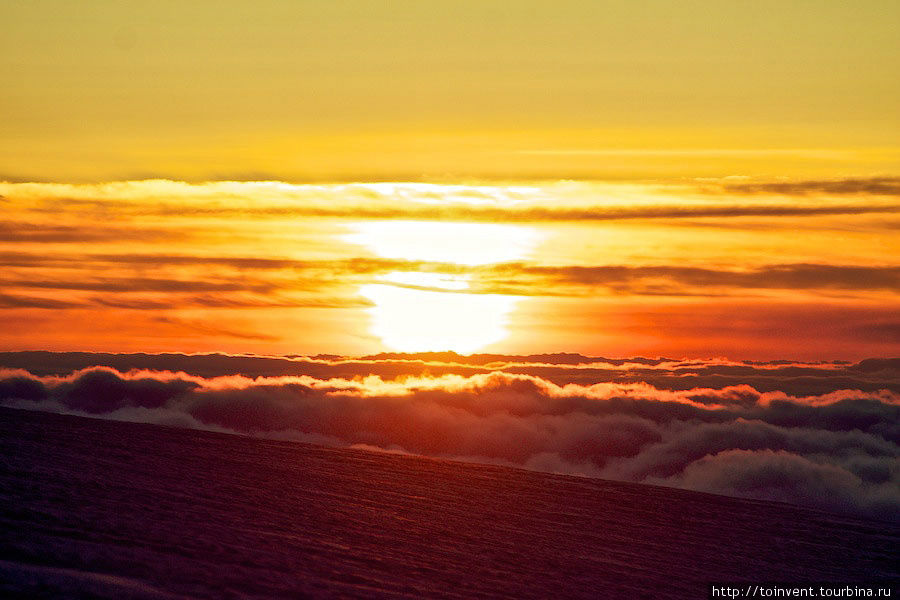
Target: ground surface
column 92, row 508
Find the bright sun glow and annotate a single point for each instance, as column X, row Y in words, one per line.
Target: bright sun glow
column 418, row 279
column 411, row 320
column 458, row 243
column 443, row 315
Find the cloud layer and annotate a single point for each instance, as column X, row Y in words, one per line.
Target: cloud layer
column 539, row 202
column 881, row 186
column 838, row 450
column 698, row 268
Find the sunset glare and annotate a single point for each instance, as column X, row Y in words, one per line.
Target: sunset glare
column 514, row 299
column 446, row 314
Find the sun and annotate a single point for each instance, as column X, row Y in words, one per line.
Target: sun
column 417, row 311
column 412, row 320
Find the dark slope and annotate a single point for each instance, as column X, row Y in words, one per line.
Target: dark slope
column 124, row 510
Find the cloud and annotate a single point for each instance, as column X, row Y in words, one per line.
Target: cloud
column 876, row 186
column 106, row 261
column 885, row 331
column 799, row 379
column 677, row 280
column 548, row 201
column 193, row 327
column 836, row 451
column 144, row 284
column 15, row 231
column 17, row 301
column 101, row 391
column 224, row 301
column 255, row 275
column 787, row 477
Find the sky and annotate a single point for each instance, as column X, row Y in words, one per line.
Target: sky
column 641, row 240
column 368, row 90
column 802, row 270
column 690, row 179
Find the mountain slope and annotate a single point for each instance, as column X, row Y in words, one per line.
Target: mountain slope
column 102, row 508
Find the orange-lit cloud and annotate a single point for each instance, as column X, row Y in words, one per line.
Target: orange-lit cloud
column 563, row 201
column 355, row 268
column 882, row 186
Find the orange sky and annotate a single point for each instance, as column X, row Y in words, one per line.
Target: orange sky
column 611, row 177
column 729, row 267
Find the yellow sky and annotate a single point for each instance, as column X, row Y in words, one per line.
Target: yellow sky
column 440, row 90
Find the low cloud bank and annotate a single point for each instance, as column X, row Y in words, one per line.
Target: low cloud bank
column 790, row 377
column 836, row 451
